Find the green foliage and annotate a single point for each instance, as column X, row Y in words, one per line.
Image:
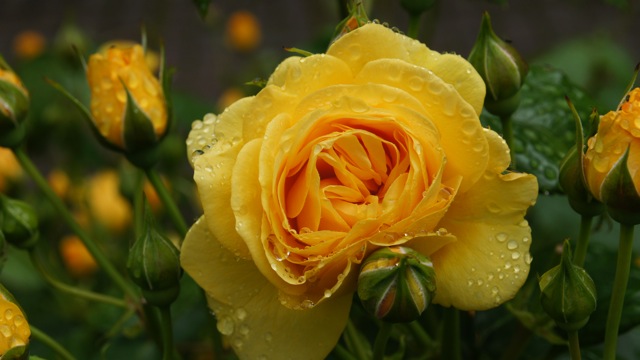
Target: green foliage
column 543, row 125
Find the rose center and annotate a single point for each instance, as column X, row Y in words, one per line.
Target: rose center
column 346, row 176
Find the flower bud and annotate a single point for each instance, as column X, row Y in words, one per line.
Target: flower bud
column 154, row 264
column 568, row 294
column 501, row 67
column 14, row 105
column 396, row 284
column 128, row 106
column 612, row 161
column 14, row 328
column 18, row 222
column 572, row 178
column 356, row 18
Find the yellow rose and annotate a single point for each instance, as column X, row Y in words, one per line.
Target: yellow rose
column 618, row 132
column 375, row 143
column 108, row 72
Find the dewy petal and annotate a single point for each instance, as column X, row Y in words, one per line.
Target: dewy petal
column 248, row 308
column 459, row 126
column 490, row 260
column 373, row 41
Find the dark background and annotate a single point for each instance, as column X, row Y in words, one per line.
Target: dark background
column 206, row 65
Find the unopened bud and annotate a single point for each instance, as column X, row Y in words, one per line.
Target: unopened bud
column 14, row 105
column 396, row 284
column 18, row 222
column 154, row 265
column 568, row 294
column 501, row 67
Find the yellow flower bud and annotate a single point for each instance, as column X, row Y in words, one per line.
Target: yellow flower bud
column 612, row 161
column 116, row 74
column 14, row 328
column 14, row 104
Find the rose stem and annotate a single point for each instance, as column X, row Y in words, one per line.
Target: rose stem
column 583, row 240
column 574, row 345
column 623, row 268
column 93, row 248
column 51, row 343
column 168, row 202
column 89, row 295
column 451, row 335
column 382, row 338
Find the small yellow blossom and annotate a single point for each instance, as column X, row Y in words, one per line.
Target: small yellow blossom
column 243, row 31
column 29, row 44
column 76, row 257
column 59, row 182
column 10, row 169
column 106, row 203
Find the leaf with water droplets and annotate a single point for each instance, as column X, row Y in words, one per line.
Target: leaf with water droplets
column 543, row 126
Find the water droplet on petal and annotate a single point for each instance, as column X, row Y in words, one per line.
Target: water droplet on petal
column 501, row 237
column 512, row 245
column 226, row 325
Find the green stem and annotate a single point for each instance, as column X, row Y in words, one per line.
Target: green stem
column 93, row 248
column 382, row 338
column 583, row 240
column 421, row 335
column 62, row 353
column 344, row 354
column 89, row 295
column 169, row 204
column 451, row 345
column 507, row 134
column 167, row 333
column 574, row 345
column 414, row 26
column 352, row 338
column 623, row 268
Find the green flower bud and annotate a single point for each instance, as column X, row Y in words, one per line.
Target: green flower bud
column 501, row 67
column 396, row 284
column 356, row 18
column 568, row 294
column 154, row 264
column 18, row 222
column 417, row 7
column 14, row 105
column 572, row 177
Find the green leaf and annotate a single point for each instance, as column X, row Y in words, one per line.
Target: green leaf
column 543, row 125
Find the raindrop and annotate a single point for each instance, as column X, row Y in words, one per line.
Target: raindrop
column 507, row 265
column 494, row 208
column 8, row 314
column 512, row 245
column 225, row 325
column 527, row 258
column 416, row 83
column 480, row 282
column 237, row 343
column 469, row 128
column 494, row 291
column 501, row 237
column 515, row 255
column 435, row 87
column 244, row 330
column 327, row 293
column 516, row 269
column 241, row 314
column 4, row 329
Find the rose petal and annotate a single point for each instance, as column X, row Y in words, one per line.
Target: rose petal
column 459, row 126
column 374, row 41
column 490, row 260
column 248, row 308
